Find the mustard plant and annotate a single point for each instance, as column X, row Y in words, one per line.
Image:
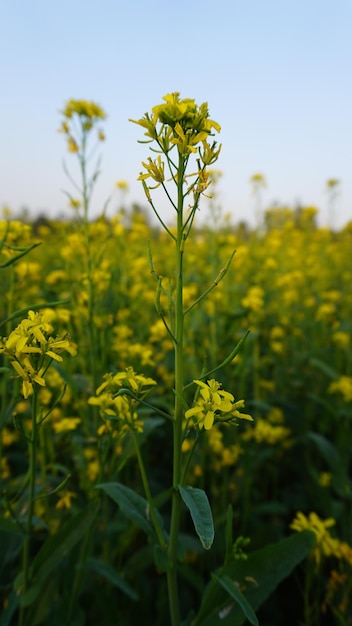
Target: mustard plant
column 182, row 135
column 258, row 183
column 333, row 187
column 81, row 127
column 31, row 349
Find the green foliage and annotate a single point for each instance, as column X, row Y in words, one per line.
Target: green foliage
column 110, row 459
column 259, row 575
column 197, row 502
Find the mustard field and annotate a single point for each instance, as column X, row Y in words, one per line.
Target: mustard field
column 203, row 486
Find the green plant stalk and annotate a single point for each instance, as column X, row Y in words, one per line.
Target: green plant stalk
column 188, row 461
column 4, row 399
column 85, row 200
column 147, row 491
column 92, row 360
column 32, row 443
column 178, row 416
column 43, row 466
column 78, row 577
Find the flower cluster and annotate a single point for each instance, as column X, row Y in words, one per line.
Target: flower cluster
column 88, row 115
column 215, row 405
column 117, row 396
column 343, row 386
column 183, row 124
column 31, row 348
column 325, row 545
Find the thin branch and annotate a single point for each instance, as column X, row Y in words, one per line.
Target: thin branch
column 225, row 362
column 217, row 280
column 146, row 191
column 33, row 307
column 124, row 391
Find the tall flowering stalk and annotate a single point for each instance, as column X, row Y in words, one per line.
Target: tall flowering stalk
column 31, row 348
column 81, row 126
column 182, row 136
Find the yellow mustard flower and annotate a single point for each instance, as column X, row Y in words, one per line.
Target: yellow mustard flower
column 326, row 545
column 72, row 145
column 31, row 347
column 83, row 108
column 122, row 406
column 183, row 124
column 122, row 185
column 4, row 468
column 341, row 339
column 65, row 500
column 264, row 432
column 66, row 424
column 215, row 405
column 344, row 386
column 155, row 170
column 325, row 479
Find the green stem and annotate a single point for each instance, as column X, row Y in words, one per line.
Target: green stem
column 92, row 343
column 32, row 443
column 147, row 491
column 189, row 458
column 179, row 388
column 78, row 577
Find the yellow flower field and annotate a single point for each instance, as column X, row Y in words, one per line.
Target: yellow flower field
column 97, row 418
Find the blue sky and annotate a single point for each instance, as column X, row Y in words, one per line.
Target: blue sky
column 276, row 75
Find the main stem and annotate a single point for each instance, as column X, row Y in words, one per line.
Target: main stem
column 93, row 359
column 147, row 491
column 178, row 414
column 31, row 496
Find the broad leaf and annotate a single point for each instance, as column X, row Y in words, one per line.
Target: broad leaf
column 258, row 577
column 53, row 551
column 132, row 505
column 197, row 502
column 109, row 573
column 8, row 612
column 234, row 591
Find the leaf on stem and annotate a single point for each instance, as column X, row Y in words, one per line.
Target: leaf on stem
column 132, row 505
column 197, row 502
column 236, row 594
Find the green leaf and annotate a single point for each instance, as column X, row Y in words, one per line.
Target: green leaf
column 129, row 448
column 161, row 559
column 332, row 458
column 8, row 526
column 132, row 505
column 8, row 612
column 197, row 502
column 228, row 534
column 32, row 307
column 326, row 448
column 326, row 369
column 234, row 591
column 258, row 576
column 18, row 256
column 62, row 542
column 108, row 572
column 54, row 550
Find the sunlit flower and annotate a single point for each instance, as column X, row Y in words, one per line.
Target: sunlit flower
column 155, row 170
column 182, row 124
column 83, row 108
column 31, row 347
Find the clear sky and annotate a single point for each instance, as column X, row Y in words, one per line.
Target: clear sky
column 276, row 74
